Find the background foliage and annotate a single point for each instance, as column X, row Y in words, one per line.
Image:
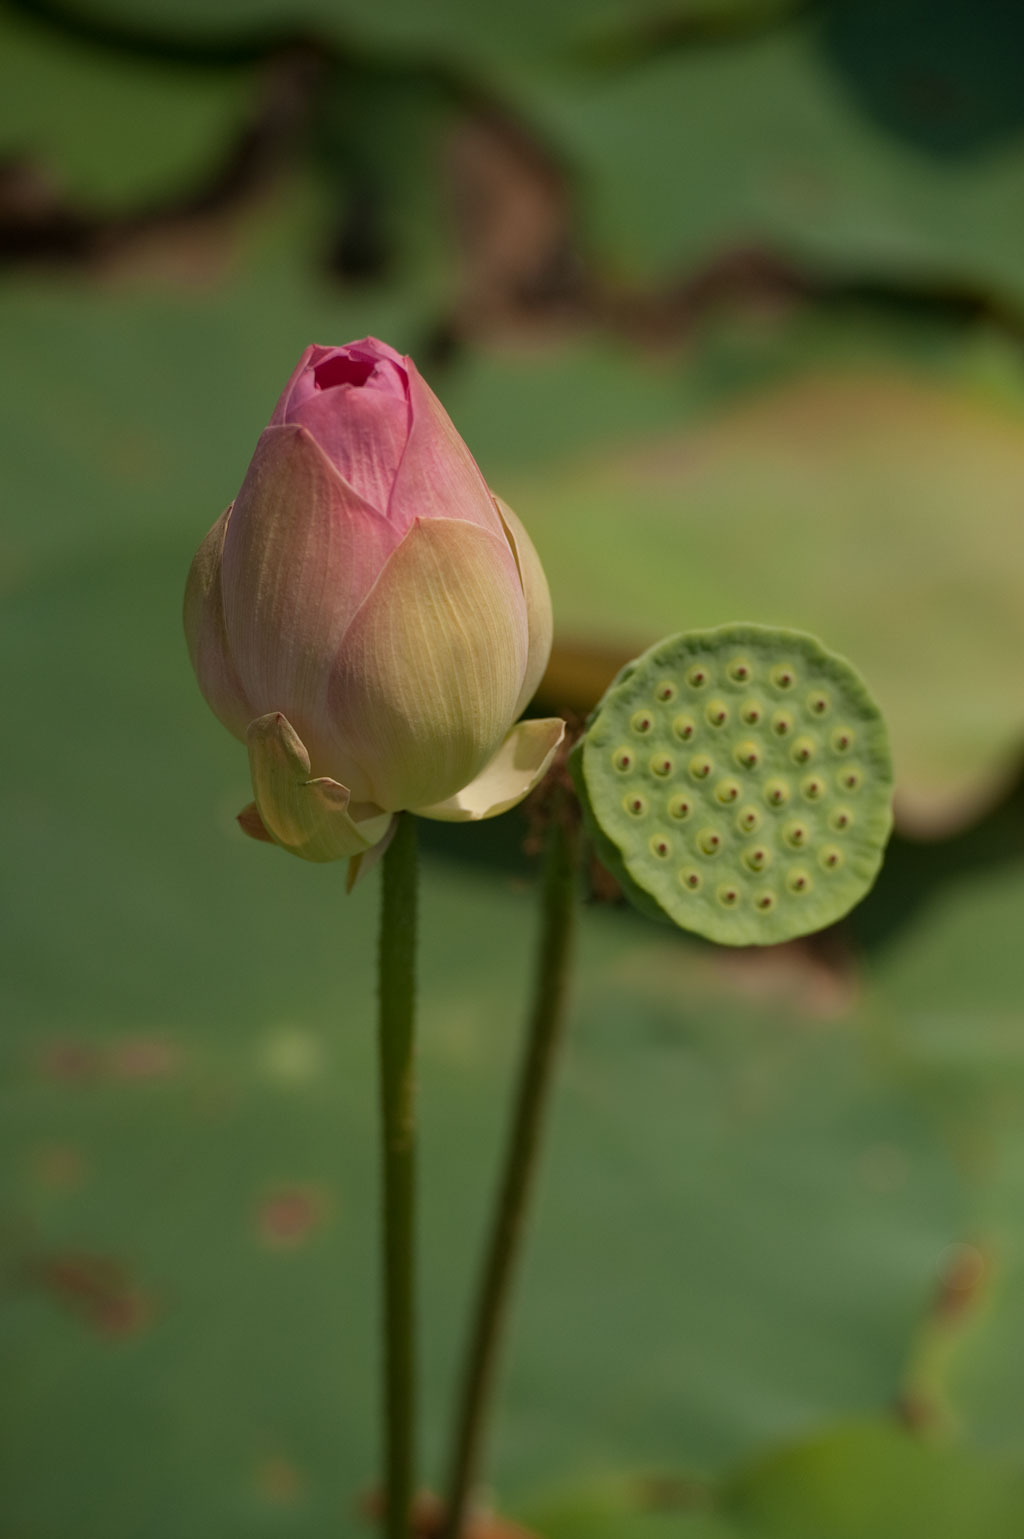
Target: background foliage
column 726, row 297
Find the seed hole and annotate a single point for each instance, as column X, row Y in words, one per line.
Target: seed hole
column 701, row 767
column 642, row 722
column 831, row 858
column 751, row 713
column 818, row 703
column 661, row 847
column 680, row 807
column 709, row 841
column 623, row 760
column 739, row 670
column 716, row 713
column 661, row 765
column 783, row 676
column 841, row 820
column 813, row 788
column 802, row 751
column 795, row 835
column 799, row 882
column 684, row 727
column 727, row 791
column 698, row 676
column 782, row 723
column 728, row 897
column 765, row 901
column 842, row 740
column 690, row 879
column 667, row 691
column 776, row 793
column 749, row 820
column 635, row 805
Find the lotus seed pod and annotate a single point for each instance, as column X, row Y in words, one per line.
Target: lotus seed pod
column 773, row 820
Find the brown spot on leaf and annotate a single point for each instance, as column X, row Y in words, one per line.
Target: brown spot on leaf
column 98, row 1289
column 60, row 1167
column 138, row 1058
column 280, row 1481
column 71, row 1061
column 428, row 1519
column 288, row 1215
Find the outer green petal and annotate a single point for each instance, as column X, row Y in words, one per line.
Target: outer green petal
column 310, row 818
column 538, row 603
column 519, row 764
column 429, row 673
column 207, row 638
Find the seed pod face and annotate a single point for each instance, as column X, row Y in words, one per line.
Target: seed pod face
column 783, row 831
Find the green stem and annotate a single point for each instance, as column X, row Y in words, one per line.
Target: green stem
column 521, row 1159
column 398, row 1170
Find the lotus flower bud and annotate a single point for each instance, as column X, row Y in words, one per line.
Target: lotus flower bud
column 367, row 617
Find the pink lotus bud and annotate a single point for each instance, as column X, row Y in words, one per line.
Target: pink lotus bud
column 367, row 617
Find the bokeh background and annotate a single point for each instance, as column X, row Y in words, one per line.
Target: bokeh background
column 727, row 298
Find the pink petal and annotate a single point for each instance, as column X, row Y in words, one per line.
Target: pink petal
column 301, row 553
column 438, row 477
column 207, row 638
column 354, row 401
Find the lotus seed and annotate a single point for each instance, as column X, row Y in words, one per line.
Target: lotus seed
column 818, row 703
column 623, row 760
column 751, row 713
column 635, row 805
column 765, row 901
column 697, row 677
column 684, row 727
column 749, row 820
column 739, row 670
column 642, row 721
column 776, row 793
column 748, row 754
column 841, row 819
column 795, row 835
column 783, row 676
column 798, row 881
column 716, row 713
column 701, row 767
column 842, row 739
column 802, row 751
column 813, row 788
column 728, row 896
column 680, row 807
column 851, row 781
column 727, row 791
column 667, row 691
column 758, row 858
column 661, row 847
column 831, row 858
column 690, row 879
column 661, row 765
column 782, row 723
column 709, row 841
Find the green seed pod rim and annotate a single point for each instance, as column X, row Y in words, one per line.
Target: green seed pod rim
column 782, row 668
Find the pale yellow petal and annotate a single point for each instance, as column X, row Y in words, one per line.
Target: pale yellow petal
column 538, row 603
column 427, row 679
column 520, row 763
column 310, row 818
